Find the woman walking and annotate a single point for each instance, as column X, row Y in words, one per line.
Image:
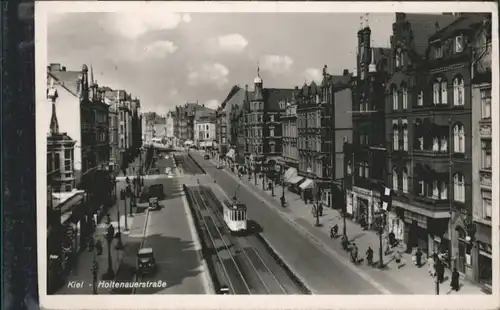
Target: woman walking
column 430, row 263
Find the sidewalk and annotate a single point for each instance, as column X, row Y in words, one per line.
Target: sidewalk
column 81, row 272
column 407, row 280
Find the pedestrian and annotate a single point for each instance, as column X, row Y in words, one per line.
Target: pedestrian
column 418, row 258
column 354, row 252
column 344, row 242
column 455, row 277
column 399, row 259
column 431, row 266
column 369, row 256
column 439, row 270
column 392, row 239
column 333, row 231
column 320, row 210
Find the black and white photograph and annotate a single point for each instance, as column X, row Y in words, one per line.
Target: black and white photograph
column 332, row 149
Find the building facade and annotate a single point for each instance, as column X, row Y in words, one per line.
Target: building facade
column 263, row 132
column 289, row 160
column 366, row 151
column 68, row 87
column 482, row 156
column 321, row 138
column 223, row 119
column 204, row 130
column 169, row 134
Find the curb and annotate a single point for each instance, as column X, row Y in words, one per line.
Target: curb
column 318, row 242
column 208, row 282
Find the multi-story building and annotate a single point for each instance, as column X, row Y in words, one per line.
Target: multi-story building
column 262, row 113
column 482, row 157
column 289, row 160
column 110, row 100
column 136, row 127
column 68, row 87
column 184, row 117
column 365, row 152
column 318, row 133
column 204, row 128
column 223, row 123
column 429, row 106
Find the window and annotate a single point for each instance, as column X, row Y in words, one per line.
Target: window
column 438, row 52
column 435, row 189
column 420, row 143
column 405, row 135
column 444, row 191
column 67, row 188
column 207, row 135
column 395, row 104
column 271, row 132
column 486, row 155
column 459, row 47
column 435, row 93
column 458, row 91
column 405, row 180
column 349, row 167
column 486, row 103
column 486, row 197
column 271, row 118
column 394, row 178
column 444, row 92
column 459, row 188
column 458, row 138
column 206, row 127
column 360, row 169
column 420, row 98
column 271, row 148
column 421, row 188
column 395, row 136
column 397, row 59
column 435, row 144
column 444, row 144
column 405, row 97
column 57, row 162
column 367, row 170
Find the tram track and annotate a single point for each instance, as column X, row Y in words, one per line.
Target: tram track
column 188, row 164
column 261, row 269
column 223, row 250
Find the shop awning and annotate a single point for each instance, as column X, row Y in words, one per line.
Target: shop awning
column 308, row 183
column 290, row 173
column 296, row 179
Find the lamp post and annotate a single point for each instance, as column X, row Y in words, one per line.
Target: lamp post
column 380, row 233
column 282, row 185
column 119, row 245
column 255, row 174
column 109, row 237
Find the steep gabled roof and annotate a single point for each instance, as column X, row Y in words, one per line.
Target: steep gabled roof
column 68, row 79
column 423, row 26
column 465, row 22
column 272, row 96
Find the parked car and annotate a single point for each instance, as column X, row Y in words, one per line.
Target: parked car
column 206, row 156
column 219, row 167
column 146, row 262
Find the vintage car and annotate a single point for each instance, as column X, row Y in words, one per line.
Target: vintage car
column 206, row 156
column 154, row 204
column 145, row 261
column 219, row 166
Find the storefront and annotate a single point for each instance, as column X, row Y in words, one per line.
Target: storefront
column 417, row 226
column 482, row 256
column 364, row 203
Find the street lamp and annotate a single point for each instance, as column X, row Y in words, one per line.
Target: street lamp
column 110, row 274
column 282, row 186
column 119, row 245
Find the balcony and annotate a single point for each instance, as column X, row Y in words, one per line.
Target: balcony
column 485, row 178
column 430, row 154
column 426, row 203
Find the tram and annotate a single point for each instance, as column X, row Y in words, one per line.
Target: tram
column 235, row 216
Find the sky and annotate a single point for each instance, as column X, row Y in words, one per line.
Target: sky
column 167, row 59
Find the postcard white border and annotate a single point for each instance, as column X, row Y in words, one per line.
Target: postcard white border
column 252, row 302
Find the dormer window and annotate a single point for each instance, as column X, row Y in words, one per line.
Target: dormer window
column 438, row 51
column 459, row 44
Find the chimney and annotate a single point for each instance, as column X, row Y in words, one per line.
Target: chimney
column 346, row 72
column 55, row 67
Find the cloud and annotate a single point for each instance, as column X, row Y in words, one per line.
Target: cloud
column 209, row 73
column 232, row 43
column 313, row 74
column 135, row 24
column 159, row 49
column 277, row 63
column 212, row 104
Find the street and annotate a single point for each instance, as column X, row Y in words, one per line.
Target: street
column 320, row 272
column 169, row 235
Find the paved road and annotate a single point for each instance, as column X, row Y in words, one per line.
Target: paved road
column 176, row 251
column 320, row 272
